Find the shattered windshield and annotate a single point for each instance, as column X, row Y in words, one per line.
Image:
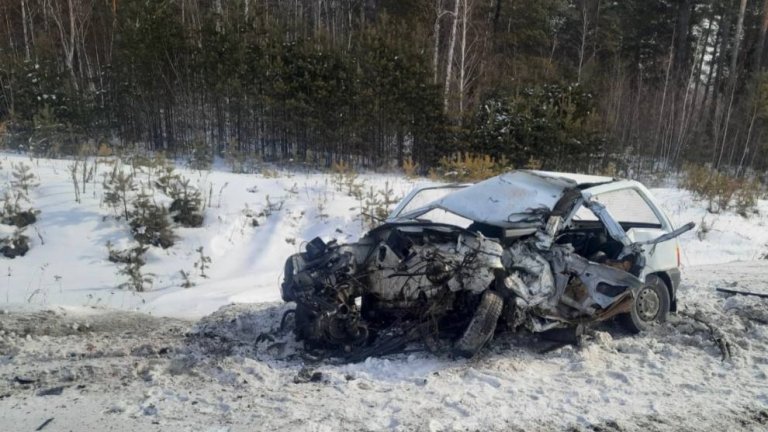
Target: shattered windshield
column 423, row 197
column 514, row 199
column 442, row 216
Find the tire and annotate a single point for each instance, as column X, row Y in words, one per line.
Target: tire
column 482, row 326
column 650, row 306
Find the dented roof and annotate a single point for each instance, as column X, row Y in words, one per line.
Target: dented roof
column 513, row 199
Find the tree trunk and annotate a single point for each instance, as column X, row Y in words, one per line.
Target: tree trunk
column 727, row 23
column 758, row 62
column 26, row 31
column 451, row 46
column 463, row 75
column 436, row 30
column 681, row 43
column 583, row 45
column 736, row 43
column 712, row 66
column 700, row 65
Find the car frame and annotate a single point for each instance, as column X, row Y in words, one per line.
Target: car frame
column 662, row 261
column 538, row 250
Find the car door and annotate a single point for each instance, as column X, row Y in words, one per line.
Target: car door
column 642, row 221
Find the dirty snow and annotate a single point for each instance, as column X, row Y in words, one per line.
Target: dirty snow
column 76, row 349
column 127, row 371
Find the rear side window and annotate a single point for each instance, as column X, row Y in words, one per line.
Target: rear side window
column 626, row 206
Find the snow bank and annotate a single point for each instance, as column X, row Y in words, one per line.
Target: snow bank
column 718, row 238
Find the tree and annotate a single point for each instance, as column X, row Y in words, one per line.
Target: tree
column 758, row 60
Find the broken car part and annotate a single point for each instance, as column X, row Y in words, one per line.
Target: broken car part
column 528, row 249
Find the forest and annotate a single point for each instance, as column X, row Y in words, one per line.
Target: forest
column 635, row 85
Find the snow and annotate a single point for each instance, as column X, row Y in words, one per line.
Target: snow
column 71, row 268
column 728, row 237
column 126, row 371
column 65, row 322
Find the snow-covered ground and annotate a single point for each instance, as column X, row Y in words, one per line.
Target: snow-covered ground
column 67, row 263
column 69, row 330
column 127, row 371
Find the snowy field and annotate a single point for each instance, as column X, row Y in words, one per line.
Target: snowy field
column 76, row 348
column 67, row 263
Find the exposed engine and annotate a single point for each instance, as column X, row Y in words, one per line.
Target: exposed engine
column 350, row 295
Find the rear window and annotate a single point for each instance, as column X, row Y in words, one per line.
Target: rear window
column 625, row 205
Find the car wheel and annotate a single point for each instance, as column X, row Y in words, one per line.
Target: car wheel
column 482, row 326
column 650, row 306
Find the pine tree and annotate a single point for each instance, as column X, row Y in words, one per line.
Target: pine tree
column 150, row 223
column 23, row 178
column 187, row 204
column 118, row 185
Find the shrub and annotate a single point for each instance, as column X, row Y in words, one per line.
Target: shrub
column 186, row 207
column 132, row 260
column 201, row 156
column 187, row 201
column 410, row 167
column 470, row 167
column 745, row 199
column 23, row 178
column 104, row 150
column 150, row 223
column 721, row 191
column 376, row 205
column 236, row 159
column 15, row 245
column 117, row 186
column 345, row 177
column 12, row 213
column 203, row 262
column 137, row 280
column 695, row 179
column 127, row 256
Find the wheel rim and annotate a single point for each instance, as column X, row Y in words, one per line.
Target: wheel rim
column 648, row 304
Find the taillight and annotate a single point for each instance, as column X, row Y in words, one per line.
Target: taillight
column 677, row 252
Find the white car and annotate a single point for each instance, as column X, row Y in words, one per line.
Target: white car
column 534, row 250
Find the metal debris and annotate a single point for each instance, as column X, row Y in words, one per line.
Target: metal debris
column 44, row 424
column 521, row 262
column 745, row 293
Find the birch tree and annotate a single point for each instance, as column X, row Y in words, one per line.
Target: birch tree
column 468, row 53
column 451, row 47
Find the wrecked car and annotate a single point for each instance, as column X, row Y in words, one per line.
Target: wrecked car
column 525, row 250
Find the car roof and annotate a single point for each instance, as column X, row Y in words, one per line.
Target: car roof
column 515, row 198
column 580, row 179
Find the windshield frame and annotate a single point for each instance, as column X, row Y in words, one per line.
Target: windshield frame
column 396, row 214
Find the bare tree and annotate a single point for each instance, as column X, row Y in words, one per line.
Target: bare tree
column 584, row 31
column 468, row 56
column 451, row 48
column 26, row 30
column 732, row 74
column 65, row 21
column 439, row 12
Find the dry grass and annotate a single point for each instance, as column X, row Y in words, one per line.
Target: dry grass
column 469, row 167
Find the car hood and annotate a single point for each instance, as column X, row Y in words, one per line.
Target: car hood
column 515, row 199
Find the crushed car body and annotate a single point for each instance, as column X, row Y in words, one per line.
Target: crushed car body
column 532, row 250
